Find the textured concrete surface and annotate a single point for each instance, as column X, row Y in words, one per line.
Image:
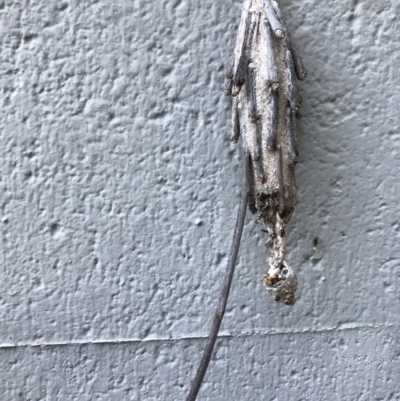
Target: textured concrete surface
column 357, row 364
column 119, row 189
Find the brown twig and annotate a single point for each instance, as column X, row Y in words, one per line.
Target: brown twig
column 220, row 311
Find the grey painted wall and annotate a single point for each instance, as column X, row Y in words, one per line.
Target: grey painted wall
column 119, row 190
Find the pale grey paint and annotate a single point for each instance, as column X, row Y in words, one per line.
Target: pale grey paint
column 119, row 189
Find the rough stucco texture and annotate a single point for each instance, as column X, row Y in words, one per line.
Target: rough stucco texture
column 119, row 190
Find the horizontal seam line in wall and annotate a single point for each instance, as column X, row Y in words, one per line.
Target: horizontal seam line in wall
column 190, row 338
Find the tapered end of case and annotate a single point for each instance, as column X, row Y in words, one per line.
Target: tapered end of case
column 281, row 283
